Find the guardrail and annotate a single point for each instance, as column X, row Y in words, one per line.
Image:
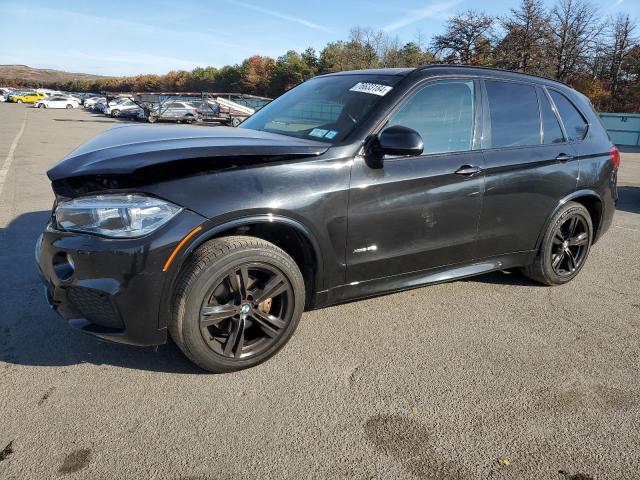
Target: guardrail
column 623, row 128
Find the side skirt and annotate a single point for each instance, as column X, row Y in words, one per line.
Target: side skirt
column 405, row 281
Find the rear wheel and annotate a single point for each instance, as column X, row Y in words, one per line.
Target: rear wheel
column 565, row 246
column 237, row 302
column 18, row 101
column 42, row 105
column 115, row 113
column 152, row 119
column 69, row 106
column 235, row 121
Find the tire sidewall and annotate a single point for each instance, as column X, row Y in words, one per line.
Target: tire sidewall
column 213, row 274
column 569, row 209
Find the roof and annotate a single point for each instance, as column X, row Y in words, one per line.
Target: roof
column 447, row 69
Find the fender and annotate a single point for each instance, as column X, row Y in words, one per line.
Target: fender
column 211, row 229
column 587, row 192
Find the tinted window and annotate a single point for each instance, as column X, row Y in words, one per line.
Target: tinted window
column 574, row 122
column 515, row 118
column 550, row 125
column 442, row 113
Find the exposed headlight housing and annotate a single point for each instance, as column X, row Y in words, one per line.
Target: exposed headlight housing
column 117, row 216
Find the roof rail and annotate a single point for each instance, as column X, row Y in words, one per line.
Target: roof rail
column 477, row 67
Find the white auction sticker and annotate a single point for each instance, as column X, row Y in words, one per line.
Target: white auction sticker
column 373, row 88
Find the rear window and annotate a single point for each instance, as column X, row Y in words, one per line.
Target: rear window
column 515, row 117
column 574, row 123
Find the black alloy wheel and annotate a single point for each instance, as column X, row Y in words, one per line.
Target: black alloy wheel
column 564, row 247
column 237, row 302
column 570, row 245
column 244, row 314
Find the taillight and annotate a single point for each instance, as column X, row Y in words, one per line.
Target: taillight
column 614, row 154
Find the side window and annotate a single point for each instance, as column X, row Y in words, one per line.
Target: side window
column 442, row 113
column 515, row 117
column 574, row 123
column 552, row 133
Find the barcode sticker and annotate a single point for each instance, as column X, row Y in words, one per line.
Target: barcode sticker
column 372, row 88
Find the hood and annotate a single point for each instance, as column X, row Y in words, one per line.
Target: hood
column 126, row 149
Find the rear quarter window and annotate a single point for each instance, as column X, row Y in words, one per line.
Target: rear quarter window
column 574, row 123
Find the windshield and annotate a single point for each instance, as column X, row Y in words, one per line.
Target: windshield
column 324, row 108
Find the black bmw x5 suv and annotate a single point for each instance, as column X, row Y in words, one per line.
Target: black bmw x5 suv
column 347, row 186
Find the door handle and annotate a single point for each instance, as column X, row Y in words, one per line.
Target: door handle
column 468, row 170
column 563, row 157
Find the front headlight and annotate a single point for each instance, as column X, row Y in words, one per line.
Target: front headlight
column 118, row 216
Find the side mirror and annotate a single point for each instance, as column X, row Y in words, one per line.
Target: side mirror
column 396, row 140
column 399, row 140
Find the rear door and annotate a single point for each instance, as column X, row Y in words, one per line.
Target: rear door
column 421, row 212
column 529, row 166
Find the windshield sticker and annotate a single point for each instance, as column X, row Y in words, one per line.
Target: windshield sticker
column 318, row 132
column 372, row 88
column 331, row 134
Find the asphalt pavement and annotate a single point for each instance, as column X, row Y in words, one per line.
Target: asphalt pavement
column 492, row 377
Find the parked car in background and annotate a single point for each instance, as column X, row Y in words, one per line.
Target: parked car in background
column 115, row 109
column 57, row 101
column 27, row 97
column 2, row 98
column 100, row 105
column 91, row 101
column 174, row 111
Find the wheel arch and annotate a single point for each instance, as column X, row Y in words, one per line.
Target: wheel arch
column 288, row 234
column 590, row 199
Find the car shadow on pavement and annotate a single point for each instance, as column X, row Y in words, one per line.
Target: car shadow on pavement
column 628, row 199
column 32, row 334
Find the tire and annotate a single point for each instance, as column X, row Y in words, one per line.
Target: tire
column 42, row 105
column 564, row 248
column 18, row 101
column 68, row 107
column 235, row 121
column 152, row 119
column 115, row 113
column 211, row 281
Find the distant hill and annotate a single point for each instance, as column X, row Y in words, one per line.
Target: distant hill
column 42, row 75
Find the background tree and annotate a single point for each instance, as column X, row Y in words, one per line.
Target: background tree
column 621, row 43
column 466, row 39
column 576, row 28
column 527, row 37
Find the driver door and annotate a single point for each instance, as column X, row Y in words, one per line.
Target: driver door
column 420, row 212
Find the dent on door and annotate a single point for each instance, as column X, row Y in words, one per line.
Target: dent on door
column 413, row 214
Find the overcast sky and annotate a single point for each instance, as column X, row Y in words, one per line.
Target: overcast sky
column 129, row 37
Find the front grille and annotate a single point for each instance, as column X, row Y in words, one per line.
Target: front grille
column 95, row 306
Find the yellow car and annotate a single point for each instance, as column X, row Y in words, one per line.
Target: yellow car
column 27, row 97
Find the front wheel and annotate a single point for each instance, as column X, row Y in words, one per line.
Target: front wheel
column 18, row 101
column 115, row 113
column 69, row 107
column 237, row 302
column 565, row 246
column 42, row 105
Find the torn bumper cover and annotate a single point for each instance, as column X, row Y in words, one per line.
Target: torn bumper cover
column 111, row 289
